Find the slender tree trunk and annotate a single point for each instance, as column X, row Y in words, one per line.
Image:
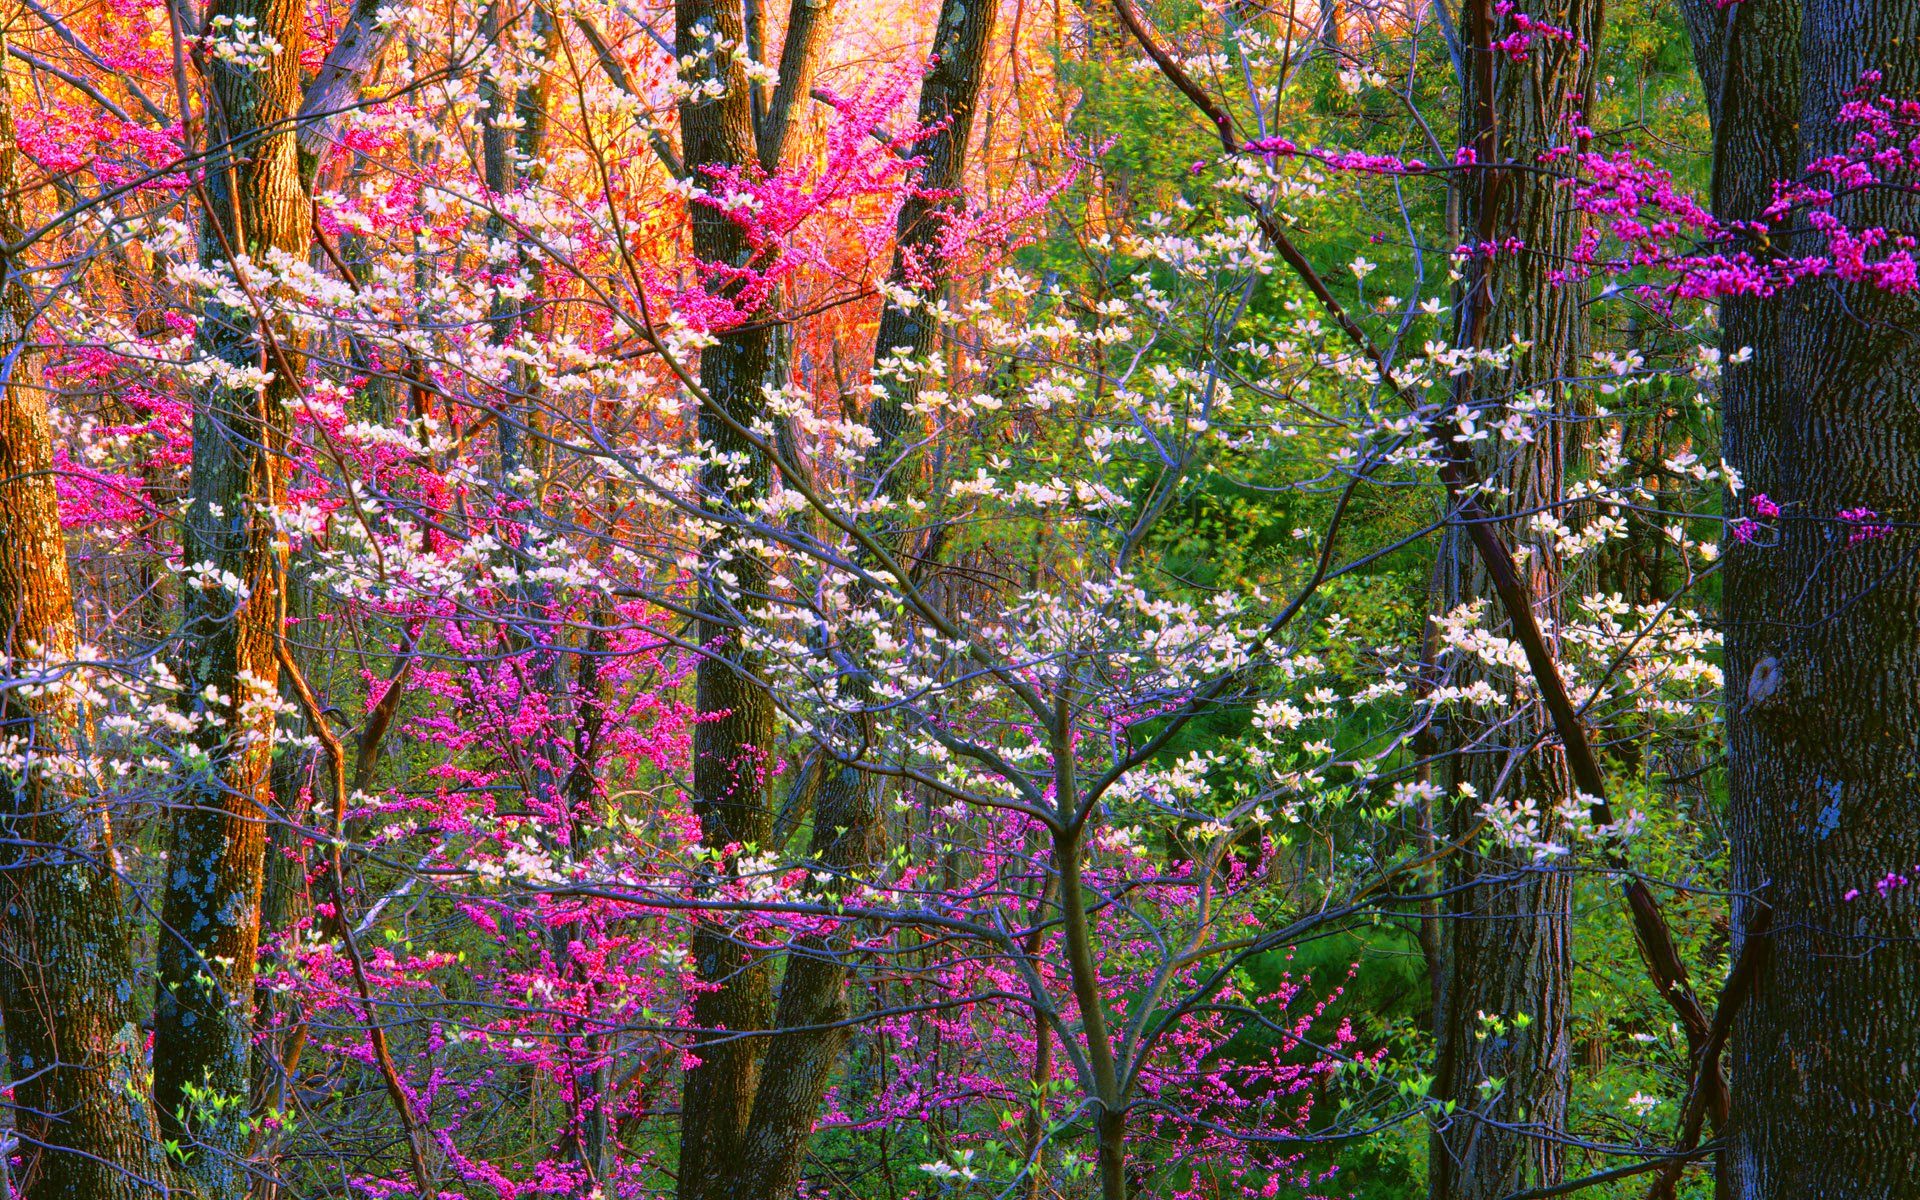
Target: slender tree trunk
column 1823, row 649
column 1033, row 1129
column 808, row 23
column 285, row 900
column 1506, row 951
column 963, row 37
column 66, row 962
column 256, row 204
column 813, row 1002
column 591, row 1132
column 1084, row 970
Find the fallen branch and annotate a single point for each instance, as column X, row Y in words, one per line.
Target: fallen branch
column 1617, row 1173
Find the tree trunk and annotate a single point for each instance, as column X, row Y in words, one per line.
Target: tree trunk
column 1823, row 651
column 808, row 23
column 732, row 744
column 286, row 900
column 66, row 961
column 813, row 992
column 255, row 203
column 813, row 1003
column 1506, row 951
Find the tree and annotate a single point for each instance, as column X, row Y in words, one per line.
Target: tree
column 1505, row 950
column 812, row 1012
column 66, row 955
column 256, row 207
column 734, row 758
column 1821, row 647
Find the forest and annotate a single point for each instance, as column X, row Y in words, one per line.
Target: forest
column 938, row 599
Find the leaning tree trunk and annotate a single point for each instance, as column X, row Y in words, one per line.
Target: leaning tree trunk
column 255, row 204
column 1505, row 949
column 66, row 961
column 1823, row 646
column 813, row 1005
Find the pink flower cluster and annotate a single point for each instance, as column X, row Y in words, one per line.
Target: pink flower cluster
column 1892, row 882
column 1645, row 226
column 1527, row 30
column 1864, row 525
column 1744, row 529
column 1340, row 160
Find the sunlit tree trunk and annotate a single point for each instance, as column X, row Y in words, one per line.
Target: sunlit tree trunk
column 255, row 204
column 1823, row 648
column 66, row 963
column 1504, row 948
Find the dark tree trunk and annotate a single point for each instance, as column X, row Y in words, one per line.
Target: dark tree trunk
column 66, row 961
column 1504, row 949
column 813, row 1004
column 962, row 38
column 1823, row 647
column 813, row 992
column 255, row 203
column 732, row 745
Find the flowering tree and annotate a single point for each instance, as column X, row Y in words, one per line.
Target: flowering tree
column 65, row 956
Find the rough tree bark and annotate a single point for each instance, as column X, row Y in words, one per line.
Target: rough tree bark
column 1504, row 949
column 255, row 203
column 66, row 961
column 732, row 751
column 808, row 22
column 813, row 992
column 285, row 899
column 1823, row 651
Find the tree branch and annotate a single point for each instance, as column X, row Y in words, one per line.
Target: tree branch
column 807, row 22
column 336, row 86
column 73, row 39
column 1740, row 984
column 617, row 72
